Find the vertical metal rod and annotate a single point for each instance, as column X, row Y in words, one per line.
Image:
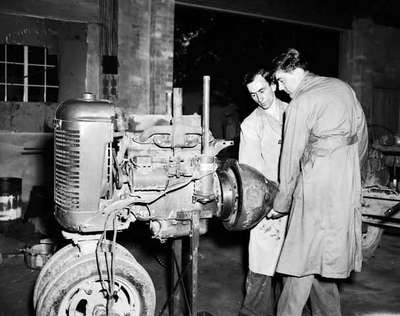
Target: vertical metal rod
column 25, row 97
column 177, row 102
column 168, row 101
column 5, row 71
column 206, row 115
column 194, row 247
column 45, row 75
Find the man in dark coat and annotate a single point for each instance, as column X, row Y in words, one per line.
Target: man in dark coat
column 320, row 187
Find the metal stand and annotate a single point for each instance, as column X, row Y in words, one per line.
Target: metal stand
column 179, row 302
column 176, row 278
column 194, row 249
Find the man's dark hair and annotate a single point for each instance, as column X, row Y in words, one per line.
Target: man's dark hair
column 250, row 76
column 289, row 61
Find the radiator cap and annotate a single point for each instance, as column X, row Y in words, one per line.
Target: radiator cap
column 88, row 96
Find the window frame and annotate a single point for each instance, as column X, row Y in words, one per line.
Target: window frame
column 4, row 63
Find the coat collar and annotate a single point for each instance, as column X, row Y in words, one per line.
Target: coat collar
column 304, row 84
column 281, row 107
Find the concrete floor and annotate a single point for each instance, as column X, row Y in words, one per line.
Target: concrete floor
column 375, row 291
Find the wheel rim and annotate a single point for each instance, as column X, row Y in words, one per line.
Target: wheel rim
column 89, row 298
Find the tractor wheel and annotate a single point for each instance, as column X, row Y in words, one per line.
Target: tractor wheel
column 65, row 257
column 78, row 289
column 52, row 267
column 370, row 240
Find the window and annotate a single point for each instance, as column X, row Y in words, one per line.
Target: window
column 28, row 74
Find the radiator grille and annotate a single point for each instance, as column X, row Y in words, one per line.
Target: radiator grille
column 66, row 176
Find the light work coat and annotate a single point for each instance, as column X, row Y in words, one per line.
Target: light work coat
column 324, row 138
column 260, row 146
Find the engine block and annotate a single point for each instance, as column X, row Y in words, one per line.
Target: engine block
column 161, row 169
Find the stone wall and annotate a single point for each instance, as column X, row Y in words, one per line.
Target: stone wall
column 370, row 62
column 161, row 54
column 134, row 55
column 27, row 116
column 145, row 54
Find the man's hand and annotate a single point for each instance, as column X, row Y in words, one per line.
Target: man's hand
column 275, row 215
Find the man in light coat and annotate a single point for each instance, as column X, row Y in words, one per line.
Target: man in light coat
column 325, row 137
column 260, row 147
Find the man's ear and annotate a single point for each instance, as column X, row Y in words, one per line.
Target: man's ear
column 273, row 87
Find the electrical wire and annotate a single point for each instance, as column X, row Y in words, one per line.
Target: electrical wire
column 110, row 270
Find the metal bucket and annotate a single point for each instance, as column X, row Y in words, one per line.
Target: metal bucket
column 10, row 199
column 37, row 255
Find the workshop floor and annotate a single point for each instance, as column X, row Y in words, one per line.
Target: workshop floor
column 373, row 292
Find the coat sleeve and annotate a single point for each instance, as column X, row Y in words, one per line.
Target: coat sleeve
column 250, row 147
column 295, row 139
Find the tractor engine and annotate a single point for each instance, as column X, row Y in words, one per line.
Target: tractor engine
column 162, row 170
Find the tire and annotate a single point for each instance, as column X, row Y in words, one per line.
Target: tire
column 77, row 289
column 51, row 268
column 371, row 240
column 62, row 258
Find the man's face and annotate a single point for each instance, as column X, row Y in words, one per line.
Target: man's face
column 261, row 92
column 289, row 81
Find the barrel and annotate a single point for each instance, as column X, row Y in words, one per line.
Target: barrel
column 10, row 199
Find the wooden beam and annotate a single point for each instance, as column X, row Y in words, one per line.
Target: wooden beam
column 86, row 11
column 327, row 15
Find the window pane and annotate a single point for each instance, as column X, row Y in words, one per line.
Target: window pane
column 36, row 55
column 51, row 59
column 52, row 94
column 52, row 76
column 15, row 53
column 15, row 93
column 36, row 75
column 15, row 73
column 2, row 55
column 35, row 94
column 1, row 92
